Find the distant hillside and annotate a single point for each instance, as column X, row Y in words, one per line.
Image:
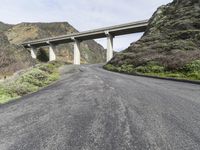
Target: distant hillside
column 12, row 35
column 171, row 43
column 4, row 27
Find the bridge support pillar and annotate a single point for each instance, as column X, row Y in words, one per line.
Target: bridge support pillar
column 77, row 56
column 52, row 55
column 109, row 46
column 33, row 53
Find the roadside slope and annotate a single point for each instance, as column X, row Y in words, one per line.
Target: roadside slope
column 169, row 47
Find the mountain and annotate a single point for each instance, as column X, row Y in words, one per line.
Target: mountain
column 171, row 42
column 91, row 52
column 13, row 54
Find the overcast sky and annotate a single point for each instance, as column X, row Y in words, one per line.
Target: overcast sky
column 82, row 14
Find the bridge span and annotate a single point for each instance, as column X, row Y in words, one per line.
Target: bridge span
column 76, row 38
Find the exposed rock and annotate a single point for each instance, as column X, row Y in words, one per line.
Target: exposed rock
column 12, row 57
column 11, row 36
column 91, row 51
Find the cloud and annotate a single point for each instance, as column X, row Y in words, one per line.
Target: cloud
column 82, row 14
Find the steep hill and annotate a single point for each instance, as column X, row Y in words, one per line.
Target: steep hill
column 171, row 43
column 91, row 51
column 12, row 57
column 12, row 35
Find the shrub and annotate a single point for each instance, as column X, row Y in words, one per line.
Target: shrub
column 35, row 77
column 127, row 68
column 110, row 67
column 142, row 69
column 192, row 67
column 194, row 75
column 22, row 89
column 151, row 67
column 4, row 95
column 31, row 81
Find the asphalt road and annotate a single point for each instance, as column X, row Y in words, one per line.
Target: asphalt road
column 93, row 109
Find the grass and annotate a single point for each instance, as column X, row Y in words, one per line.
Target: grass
column 30, row 81
column 190, row 71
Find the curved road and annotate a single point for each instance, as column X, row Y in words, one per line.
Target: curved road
column 93, row 109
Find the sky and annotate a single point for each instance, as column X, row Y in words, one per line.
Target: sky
column 82, row 14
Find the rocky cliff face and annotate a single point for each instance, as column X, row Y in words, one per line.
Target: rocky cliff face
column 12, row 35
column 12, row 57
column 172, row 39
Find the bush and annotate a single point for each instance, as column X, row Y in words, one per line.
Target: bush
column 30, row 81
column 127, row 68
column 194, row 75
column 151, row 67
column 110, row 67
column 190, row 71
column 123, row 68
column 192, row 67
column 4, row 95
column 21, row 89
column 142, row 69
column 35, row 77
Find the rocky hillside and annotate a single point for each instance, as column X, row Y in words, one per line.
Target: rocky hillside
column 4, row 27
column 12, row 57
column 91, row 51
column 170, row 44
column 12, row 35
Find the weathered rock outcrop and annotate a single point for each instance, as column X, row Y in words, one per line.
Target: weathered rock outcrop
column 172, row 39
column 12, row 57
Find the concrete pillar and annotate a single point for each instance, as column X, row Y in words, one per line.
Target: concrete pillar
column 77, row 56
column 109, row 46
column 52, row 55
column 33, row 53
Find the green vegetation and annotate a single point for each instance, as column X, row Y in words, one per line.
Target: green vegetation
column 190, row 71
column 30, row 81
column 169, row 47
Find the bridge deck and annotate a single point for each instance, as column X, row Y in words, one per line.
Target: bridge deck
column 133, row 27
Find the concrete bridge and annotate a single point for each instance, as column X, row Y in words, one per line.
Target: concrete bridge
column 76, row 38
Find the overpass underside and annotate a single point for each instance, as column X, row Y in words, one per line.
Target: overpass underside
column 77, row 38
